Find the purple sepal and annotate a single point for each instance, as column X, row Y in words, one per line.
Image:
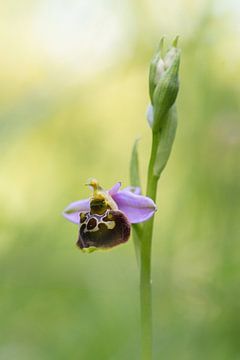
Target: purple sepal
column 134, row 189
column 137, row 208
column 72, row 211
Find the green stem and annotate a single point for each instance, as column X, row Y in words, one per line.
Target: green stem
column 145, row 272
column 137, row 233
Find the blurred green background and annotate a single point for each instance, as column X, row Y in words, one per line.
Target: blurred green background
column 74, row 92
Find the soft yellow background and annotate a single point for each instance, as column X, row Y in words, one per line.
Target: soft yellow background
column 73, row 97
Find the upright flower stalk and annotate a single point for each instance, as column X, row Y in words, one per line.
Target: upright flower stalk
column 162, row 118
column 106, row 218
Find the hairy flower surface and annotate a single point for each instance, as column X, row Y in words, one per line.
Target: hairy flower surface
column 104, row 219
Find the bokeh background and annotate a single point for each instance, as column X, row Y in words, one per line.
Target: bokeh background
column 73, row 97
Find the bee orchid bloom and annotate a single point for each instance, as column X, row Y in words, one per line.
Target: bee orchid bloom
column 105, row 218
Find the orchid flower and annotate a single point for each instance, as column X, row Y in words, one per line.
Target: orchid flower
column 105, row 218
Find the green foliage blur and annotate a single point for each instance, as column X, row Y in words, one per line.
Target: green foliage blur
column 73, row 97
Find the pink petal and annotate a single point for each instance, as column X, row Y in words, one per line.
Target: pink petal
column 72, row 211
column 115, row 188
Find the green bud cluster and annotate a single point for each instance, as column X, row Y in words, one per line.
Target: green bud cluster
column 163, row 83
column 162, row 115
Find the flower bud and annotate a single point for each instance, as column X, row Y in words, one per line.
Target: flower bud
column 156, row 69
column 166, row 141
column 163, row 83
column 150, row 115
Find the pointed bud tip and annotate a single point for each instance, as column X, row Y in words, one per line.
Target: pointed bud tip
column 175, row 41
column 161, row 44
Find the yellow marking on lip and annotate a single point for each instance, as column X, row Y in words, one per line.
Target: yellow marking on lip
column 110, row 224
column 83, row 217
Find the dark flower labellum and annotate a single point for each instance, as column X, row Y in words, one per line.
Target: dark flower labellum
column 103, row 231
